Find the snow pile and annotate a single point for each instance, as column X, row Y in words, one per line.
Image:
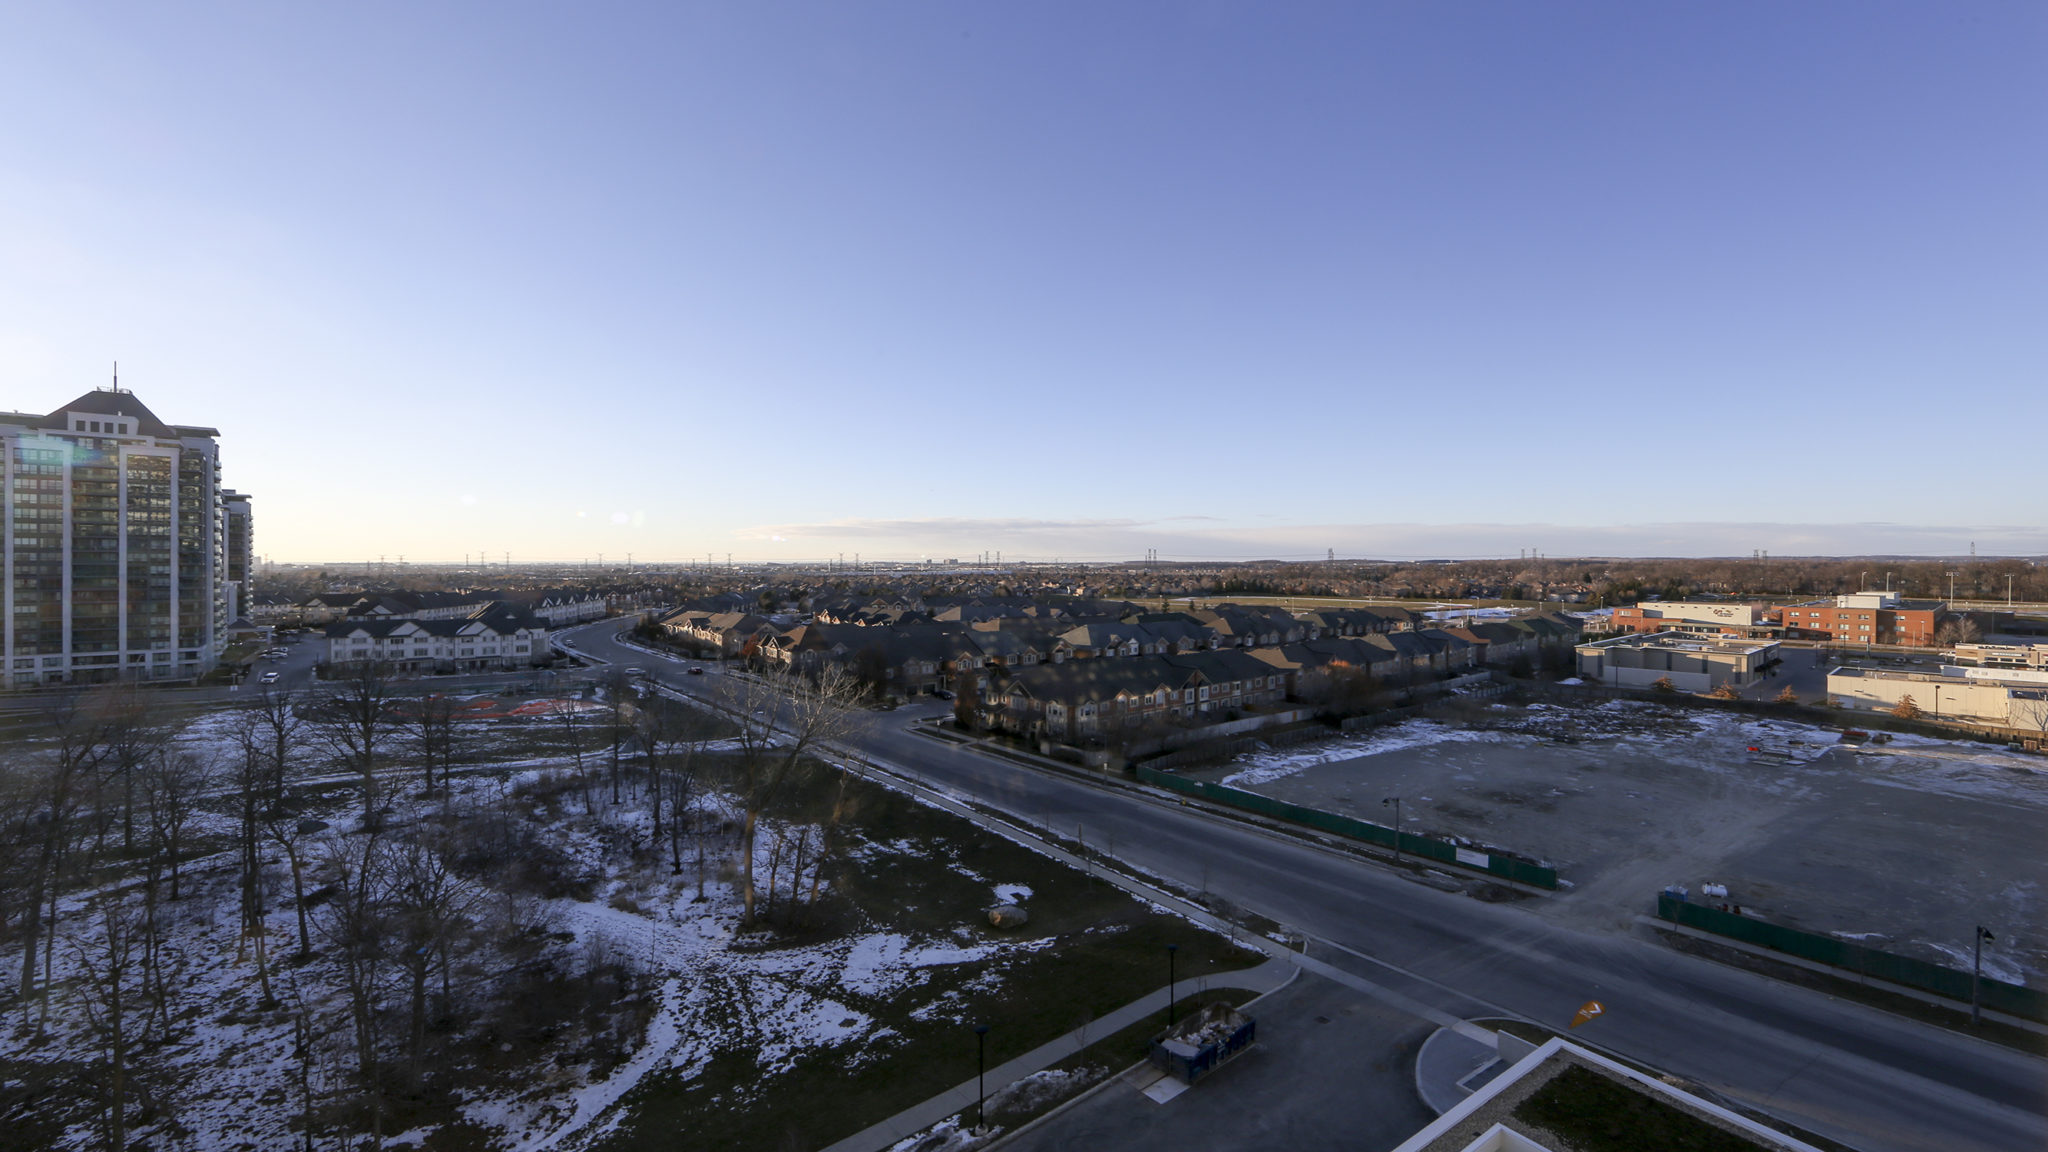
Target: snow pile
column 1262, row 767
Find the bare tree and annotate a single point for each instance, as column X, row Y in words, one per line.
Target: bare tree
column 2030, row 710
column 1960, row 630
column 430, row 722
column 429, row 909
column 171, row 788
column 79, row 746
column 133, row 738
column 354, row 923
column 782, row 719
column 668, row 743
column 570, row 718
column 276, row 714
column 288, row 830
column 356, row 723
column 106, row 963
column 174, row 784
column 618, row 724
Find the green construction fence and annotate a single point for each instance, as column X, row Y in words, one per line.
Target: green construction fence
column 1426, row 847
column 1952, row 983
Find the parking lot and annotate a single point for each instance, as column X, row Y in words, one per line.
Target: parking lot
column 1907, row 845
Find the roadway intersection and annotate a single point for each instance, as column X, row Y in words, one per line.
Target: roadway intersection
column 1843, row 1070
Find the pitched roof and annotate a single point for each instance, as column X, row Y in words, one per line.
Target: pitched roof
column 102, row 402
column 1100, row 679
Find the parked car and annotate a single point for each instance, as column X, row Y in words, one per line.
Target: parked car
column 268, row 678
column 636, row 670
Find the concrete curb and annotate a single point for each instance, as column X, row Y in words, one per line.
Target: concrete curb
column 1445, row 1059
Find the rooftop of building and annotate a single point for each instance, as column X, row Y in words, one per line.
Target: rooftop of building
column 1563, row 1097
column 1682, row 642
column 116, row 402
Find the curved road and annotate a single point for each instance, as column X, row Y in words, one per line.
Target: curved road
column 1846, row 1071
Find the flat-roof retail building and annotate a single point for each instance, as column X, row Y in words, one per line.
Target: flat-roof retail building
column 1995, row 696
column 1692, row 663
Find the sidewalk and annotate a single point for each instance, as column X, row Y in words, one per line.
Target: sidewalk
column 1262, row 979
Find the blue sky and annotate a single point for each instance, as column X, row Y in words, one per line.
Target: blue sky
column 1060, row 280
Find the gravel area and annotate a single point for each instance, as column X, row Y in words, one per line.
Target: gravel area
column 1907, row 844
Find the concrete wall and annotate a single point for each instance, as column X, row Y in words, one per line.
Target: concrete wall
column 1645, row 677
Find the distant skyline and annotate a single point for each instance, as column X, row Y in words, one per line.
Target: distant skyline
column 1065, row 280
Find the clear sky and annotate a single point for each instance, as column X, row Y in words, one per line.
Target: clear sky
column 931, row 279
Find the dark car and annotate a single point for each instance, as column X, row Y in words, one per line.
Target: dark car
column 696, row 671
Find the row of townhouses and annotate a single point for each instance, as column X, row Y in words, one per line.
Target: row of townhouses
column 494, row 638
column 1080, row 669
column 557, row 607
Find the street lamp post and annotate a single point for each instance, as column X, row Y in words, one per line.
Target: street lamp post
column 1396, row 802
column 1171, row 983
column 1977, row 973
column 980, row 1077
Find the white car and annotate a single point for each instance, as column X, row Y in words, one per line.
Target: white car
column 268, row 678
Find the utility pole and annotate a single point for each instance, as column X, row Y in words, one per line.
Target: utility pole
column 1977, row 973
column 981, row 1076
column 1396, row 802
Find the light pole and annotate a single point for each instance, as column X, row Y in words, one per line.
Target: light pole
column 1977, row 973
column 980, row 1077
column 1395, row 801
column 1171, row 982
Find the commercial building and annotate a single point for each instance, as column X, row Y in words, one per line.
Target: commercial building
column 113, row 545
column 1691, row 663
column 1973, row 695
column 2034, row 656
column 1863, row 618
column 1710, row 618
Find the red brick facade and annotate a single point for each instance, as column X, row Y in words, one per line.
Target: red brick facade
column 1911, row 625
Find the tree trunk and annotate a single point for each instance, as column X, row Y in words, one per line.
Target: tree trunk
column 299, row 901
column 747, row 869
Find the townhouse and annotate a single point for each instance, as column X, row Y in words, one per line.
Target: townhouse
column 500, row 639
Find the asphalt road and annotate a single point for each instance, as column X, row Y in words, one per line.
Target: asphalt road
column 1843, row 1070
column 1337, row 1072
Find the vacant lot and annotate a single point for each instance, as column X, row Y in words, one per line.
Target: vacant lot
column 1907, row 845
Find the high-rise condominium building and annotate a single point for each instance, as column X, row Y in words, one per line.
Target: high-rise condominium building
column 114, row 550
column 238, row 524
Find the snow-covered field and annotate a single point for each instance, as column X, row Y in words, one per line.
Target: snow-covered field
column 241, row 1061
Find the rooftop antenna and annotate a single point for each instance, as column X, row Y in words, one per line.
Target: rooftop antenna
column 117, row 375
